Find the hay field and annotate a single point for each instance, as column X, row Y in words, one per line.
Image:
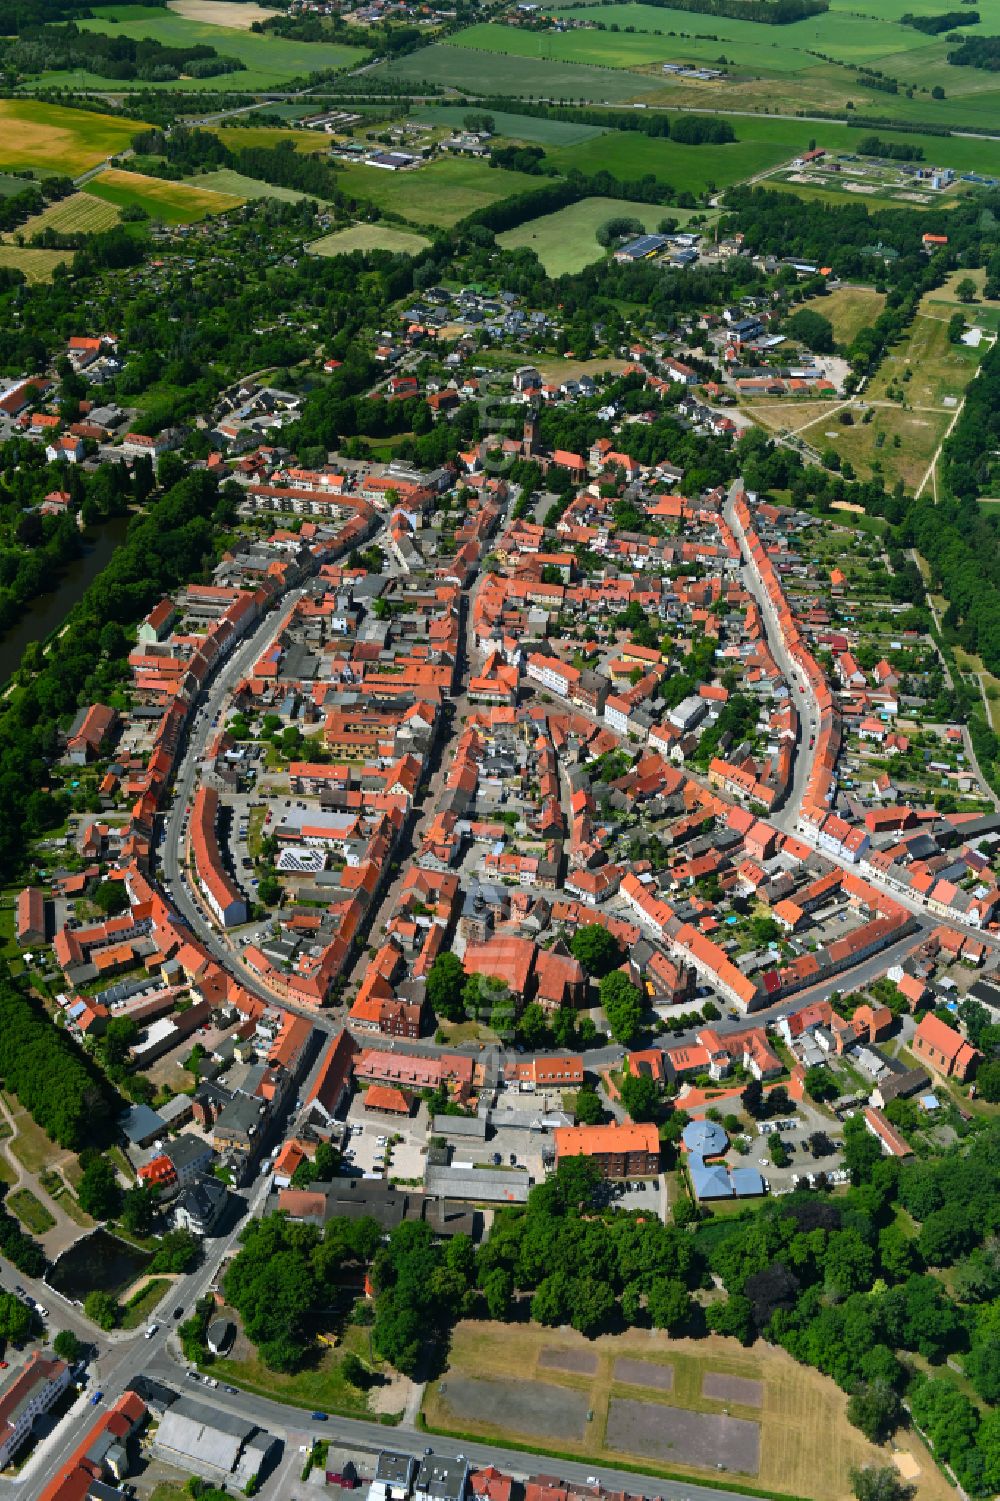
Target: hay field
column 37, row 265
column 806, row 1442
column 368, row 237
column 222, row 12
column 79, row 214
column 50, row 138
column 170, row 202
column 235, row 185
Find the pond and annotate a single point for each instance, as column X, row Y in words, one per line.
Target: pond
column 98, row 1262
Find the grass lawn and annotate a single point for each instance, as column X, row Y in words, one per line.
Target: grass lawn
column 30, row 1145
column 235, row 185
column 321, row 1386
column 170, row 202
column 807, row 1444
column 512, row 126
column 849, row 309
column 80, row 213
column 140, row 1307
column 368, row 237
column 7, row 1172
column 938, row 368
column 269, row 60
column 30, row 1211
column 50, row 138
column 565, row 241
column 437, row 195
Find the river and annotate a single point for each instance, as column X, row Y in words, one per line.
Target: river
column 47, row 612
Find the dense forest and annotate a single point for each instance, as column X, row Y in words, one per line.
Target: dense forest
column 977, row 52
column 764, row 12
column 41, row 49
column 947, row 21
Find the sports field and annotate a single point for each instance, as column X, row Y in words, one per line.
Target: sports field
column 49, row 138
column 37, row 265
column 849, row 309
column 368, row 237
column 645, row 1400
column 79, row 214
column 170, row 202
column 439, row 194
column 565, row 241
column 270, row 60
column 235, row 185
column 513, row 127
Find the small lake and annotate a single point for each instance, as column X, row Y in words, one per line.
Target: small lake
column 99, row 1262
column 47, row 612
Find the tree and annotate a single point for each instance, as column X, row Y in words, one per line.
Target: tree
column 640, row 1094
column 753, row 1101
column 668, row 1304
column 354, row 1372
column 988, row 1081
column 138, row 1210
column 622, row 1005
column 820, row 1083
column 596, row 949
column 532, row 1027
column 445, row 983
column 966, row 290
column 498, row 1288
column 99, row 1194
column 862, row 1153
column 67, row 1346
column 876, row 1409
column 879, row 1484
column 102, row 1309
column 588, row 1108
column 15, row 1319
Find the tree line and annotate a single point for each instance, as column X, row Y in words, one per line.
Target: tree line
column 42, row 49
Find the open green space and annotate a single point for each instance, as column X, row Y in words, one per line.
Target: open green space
column 936, row 368
column 50, row 138
column 235, row 185
column 269, row 60
column 320, row 1385
column 30, row 1211
column 512, row 126
column 690, row 169
column 141, row 1305
column 439, row 194
column 170, row 202
column 849, row 309
column 368, row 237
column 249, row 137
column 532, row 76
column 565, row 241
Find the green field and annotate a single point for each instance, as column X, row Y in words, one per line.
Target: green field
column 849, row 309
column 235, row 185
column 437, row 195
column 168, row 202
column 79, row 214
column 248, row 137
column 513, row 127
column 269, row 60
column 37, row 265
column 564, row 241
column 30, row 1211
column 531, row 76
column 49, row 138
column 368, row 237
column 11, row 185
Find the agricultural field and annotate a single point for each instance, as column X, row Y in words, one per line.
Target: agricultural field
column 679, row 1406
column 37, row 265
column 849, row 309
column 79, row 214
column 235, row 185
column 248, row 137
column 169, row 202
column 936, row 369
column 565, row 241
column 240, row 14
column 531, row 76
column 368, row 237
column 688, row 169
column 49, row 138
column 513, row 127
column 439, row 194
column 270, row 60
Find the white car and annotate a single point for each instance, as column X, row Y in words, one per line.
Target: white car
column 151, row 1330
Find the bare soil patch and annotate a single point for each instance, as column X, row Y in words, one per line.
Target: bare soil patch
column 645, row 1373
column 523, row 1406
column 733, row 1389
column 693, row 1438
column 582, row 1362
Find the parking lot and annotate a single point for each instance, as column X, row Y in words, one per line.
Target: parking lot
column 370, row 1149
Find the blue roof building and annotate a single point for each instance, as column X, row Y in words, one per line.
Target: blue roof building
column 706, row 1138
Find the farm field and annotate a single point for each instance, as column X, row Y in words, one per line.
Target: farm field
column 565, row 241
column 235, row 185
column 37, row 265
column 247, row 137
column 368, row 237
column 240, row 14
column 849, row 309
column 645, row 1400
column 49, row 138
column 492, row 73
column 269, row 60
column 171, row 202
column 512, row 126
column 937, row 368
column 79, row 214
column 689, row 169
column 439, row 194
